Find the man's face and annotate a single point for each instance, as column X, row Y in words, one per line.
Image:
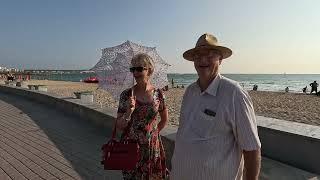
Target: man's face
column 207, row 63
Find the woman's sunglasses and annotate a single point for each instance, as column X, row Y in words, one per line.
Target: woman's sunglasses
column 138, row 69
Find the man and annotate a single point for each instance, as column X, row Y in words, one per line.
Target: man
column 314, row 87
column 217, row 134
column 172, row 83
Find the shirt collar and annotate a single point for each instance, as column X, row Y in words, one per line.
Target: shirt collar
column 213, row 86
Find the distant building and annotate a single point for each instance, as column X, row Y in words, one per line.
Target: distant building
column 6, row 69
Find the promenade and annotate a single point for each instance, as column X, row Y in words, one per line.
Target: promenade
column 37, row 142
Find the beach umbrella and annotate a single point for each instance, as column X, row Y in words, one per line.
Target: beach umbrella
column 113, row 68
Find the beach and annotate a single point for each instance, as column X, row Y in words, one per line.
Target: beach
column 297, row 107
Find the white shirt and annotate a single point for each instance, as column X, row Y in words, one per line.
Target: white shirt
column 210, row 146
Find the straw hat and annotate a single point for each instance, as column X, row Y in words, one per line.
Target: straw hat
column 207, row 41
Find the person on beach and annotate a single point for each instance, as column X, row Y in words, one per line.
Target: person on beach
column 304, row 90
column 137, row 117
column 314, row 87
column 172, row 83
column 286, row 89
column 10, row 77
column 217, row 136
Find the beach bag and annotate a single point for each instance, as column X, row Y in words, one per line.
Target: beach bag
column 120, row 155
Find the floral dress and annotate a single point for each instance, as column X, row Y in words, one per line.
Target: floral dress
column 143, row 128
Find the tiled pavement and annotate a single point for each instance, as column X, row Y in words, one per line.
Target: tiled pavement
column 37, row 142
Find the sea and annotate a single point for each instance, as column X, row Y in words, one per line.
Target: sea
column 265, row 82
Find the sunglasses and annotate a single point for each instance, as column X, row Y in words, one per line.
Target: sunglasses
column 138, row 69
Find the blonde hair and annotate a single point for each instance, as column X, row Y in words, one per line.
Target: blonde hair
column 144, row 60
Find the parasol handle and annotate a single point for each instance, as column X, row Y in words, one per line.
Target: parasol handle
column 132, row 94
column 132, row 86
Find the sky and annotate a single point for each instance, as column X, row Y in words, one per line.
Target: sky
column 274, row 36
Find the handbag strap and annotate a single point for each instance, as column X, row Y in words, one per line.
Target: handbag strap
column 114, row 131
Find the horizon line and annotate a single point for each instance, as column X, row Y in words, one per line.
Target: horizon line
column 181, row 72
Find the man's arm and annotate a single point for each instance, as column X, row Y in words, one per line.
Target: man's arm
column 252, row 163
column 246, row 133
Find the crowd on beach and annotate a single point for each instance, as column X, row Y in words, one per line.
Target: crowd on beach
column 7, row 77
column 14, row 77
column 314, row 88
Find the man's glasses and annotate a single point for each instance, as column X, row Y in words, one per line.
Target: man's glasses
column 206, row 55
column 138, row 69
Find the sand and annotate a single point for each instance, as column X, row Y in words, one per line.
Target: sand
column 295, row 107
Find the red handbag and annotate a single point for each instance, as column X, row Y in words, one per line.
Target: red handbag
column 120, row 155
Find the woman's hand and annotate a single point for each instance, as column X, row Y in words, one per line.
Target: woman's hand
column 131, row 105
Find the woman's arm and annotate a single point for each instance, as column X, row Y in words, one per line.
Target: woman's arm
column 163, row 112
column 125, row 109
column 164, row 119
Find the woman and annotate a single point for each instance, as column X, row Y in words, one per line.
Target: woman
column 137, row 118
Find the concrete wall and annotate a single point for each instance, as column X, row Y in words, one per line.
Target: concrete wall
column 292, row 143
column 102, row 117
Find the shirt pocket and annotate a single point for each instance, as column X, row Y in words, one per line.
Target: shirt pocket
column 203, row 126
